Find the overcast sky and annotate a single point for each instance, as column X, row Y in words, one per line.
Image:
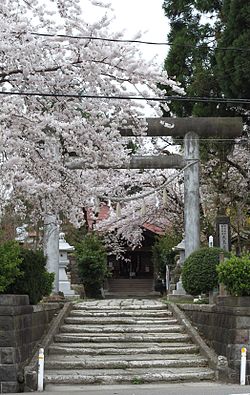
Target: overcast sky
column 146, row 16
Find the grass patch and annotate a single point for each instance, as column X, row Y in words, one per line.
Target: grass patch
column 137, row 380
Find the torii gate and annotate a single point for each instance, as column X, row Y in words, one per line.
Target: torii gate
column 189, row 128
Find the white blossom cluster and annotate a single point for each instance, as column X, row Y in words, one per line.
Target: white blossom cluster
column 40, row 134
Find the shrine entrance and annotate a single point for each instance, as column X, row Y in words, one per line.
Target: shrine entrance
column 135, row 273
column 136, row 264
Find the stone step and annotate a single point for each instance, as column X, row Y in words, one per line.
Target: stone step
column 168, row 361
column 116, row 357
column 128, row 286
column 126, row 349
column 120, row 320
column 119, row 313
column 123, row 341
column 118, row 307
column 132, row 283
column 132, row 294
column 133, row 375
column 105, row 337
column 113, row 329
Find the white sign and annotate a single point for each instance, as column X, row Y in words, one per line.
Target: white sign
column 223, row 237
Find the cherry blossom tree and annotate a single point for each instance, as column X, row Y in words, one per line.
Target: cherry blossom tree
column 40, row 133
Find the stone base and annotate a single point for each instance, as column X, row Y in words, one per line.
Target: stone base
column 64, row 286
column 180, row 298
column 9, row 387
column 72, row 298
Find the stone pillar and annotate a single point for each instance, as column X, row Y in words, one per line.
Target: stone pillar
column 191, row 194
column 51, row 247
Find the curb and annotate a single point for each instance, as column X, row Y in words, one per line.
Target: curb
column 30, row 371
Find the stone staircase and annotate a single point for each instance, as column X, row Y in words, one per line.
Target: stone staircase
column 123, row 341
column 133, row 287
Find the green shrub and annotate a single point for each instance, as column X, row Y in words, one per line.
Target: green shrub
column 10, row 261
column 199, row 273
column 234, row 273
column 92, row 264
column 163, row 253
column 35, row 281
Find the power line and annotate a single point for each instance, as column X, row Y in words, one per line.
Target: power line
column 123, row 97
column 94, row 38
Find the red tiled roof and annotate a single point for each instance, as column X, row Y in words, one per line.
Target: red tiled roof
column 104, row 214
column 154, row 228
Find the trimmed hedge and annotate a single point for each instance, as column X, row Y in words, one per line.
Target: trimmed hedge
column 234, row 273
column 199, row 273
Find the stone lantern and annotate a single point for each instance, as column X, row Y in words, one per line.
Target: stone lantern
column 180, row 248
column 64, row 283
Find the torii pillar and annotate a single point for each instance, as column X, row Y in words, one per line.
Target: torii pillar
column 191, row 194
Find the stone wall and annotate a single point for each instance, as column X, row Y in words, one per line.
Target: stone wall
column 225, row 326
column 21, row 328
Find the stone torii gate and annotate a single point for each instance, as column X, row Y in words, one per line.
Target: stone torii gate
column 191, row 129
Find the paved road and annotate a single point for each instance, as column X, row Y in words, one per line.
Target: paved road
column 152, row 389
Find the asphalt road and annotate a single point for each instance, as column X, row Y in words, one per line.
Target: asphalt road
column 151, row 389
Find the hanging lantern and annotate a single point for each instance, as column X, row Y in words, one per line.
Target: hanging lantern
column 118, row 210
column 157, row 202
column 164, row 197
column 143, row 208
column 97, row 206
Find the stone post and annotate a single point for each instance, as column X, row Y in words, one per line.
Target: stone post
column 51, row 247
column 191, row 194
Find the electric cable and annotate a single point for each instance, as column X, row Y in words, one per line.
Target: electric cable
column 124, row 97
column 118, row 40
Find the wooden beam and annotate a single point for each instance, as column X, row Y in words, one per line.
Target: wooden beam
column 229, row 127
column 172, row 161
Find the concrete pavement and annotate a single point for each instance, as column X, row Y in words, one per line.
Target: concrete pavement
column 150, row 389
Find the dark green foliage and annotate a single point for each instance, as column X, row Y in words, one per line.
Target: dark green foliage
column 203, row 67
column 35, row 281
column 199, row 273
column 234, row 273
column 163, row 253
column 10, row 264
column 193, row 57
column 234, row 66
column 190, row 58
column 92, row 263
